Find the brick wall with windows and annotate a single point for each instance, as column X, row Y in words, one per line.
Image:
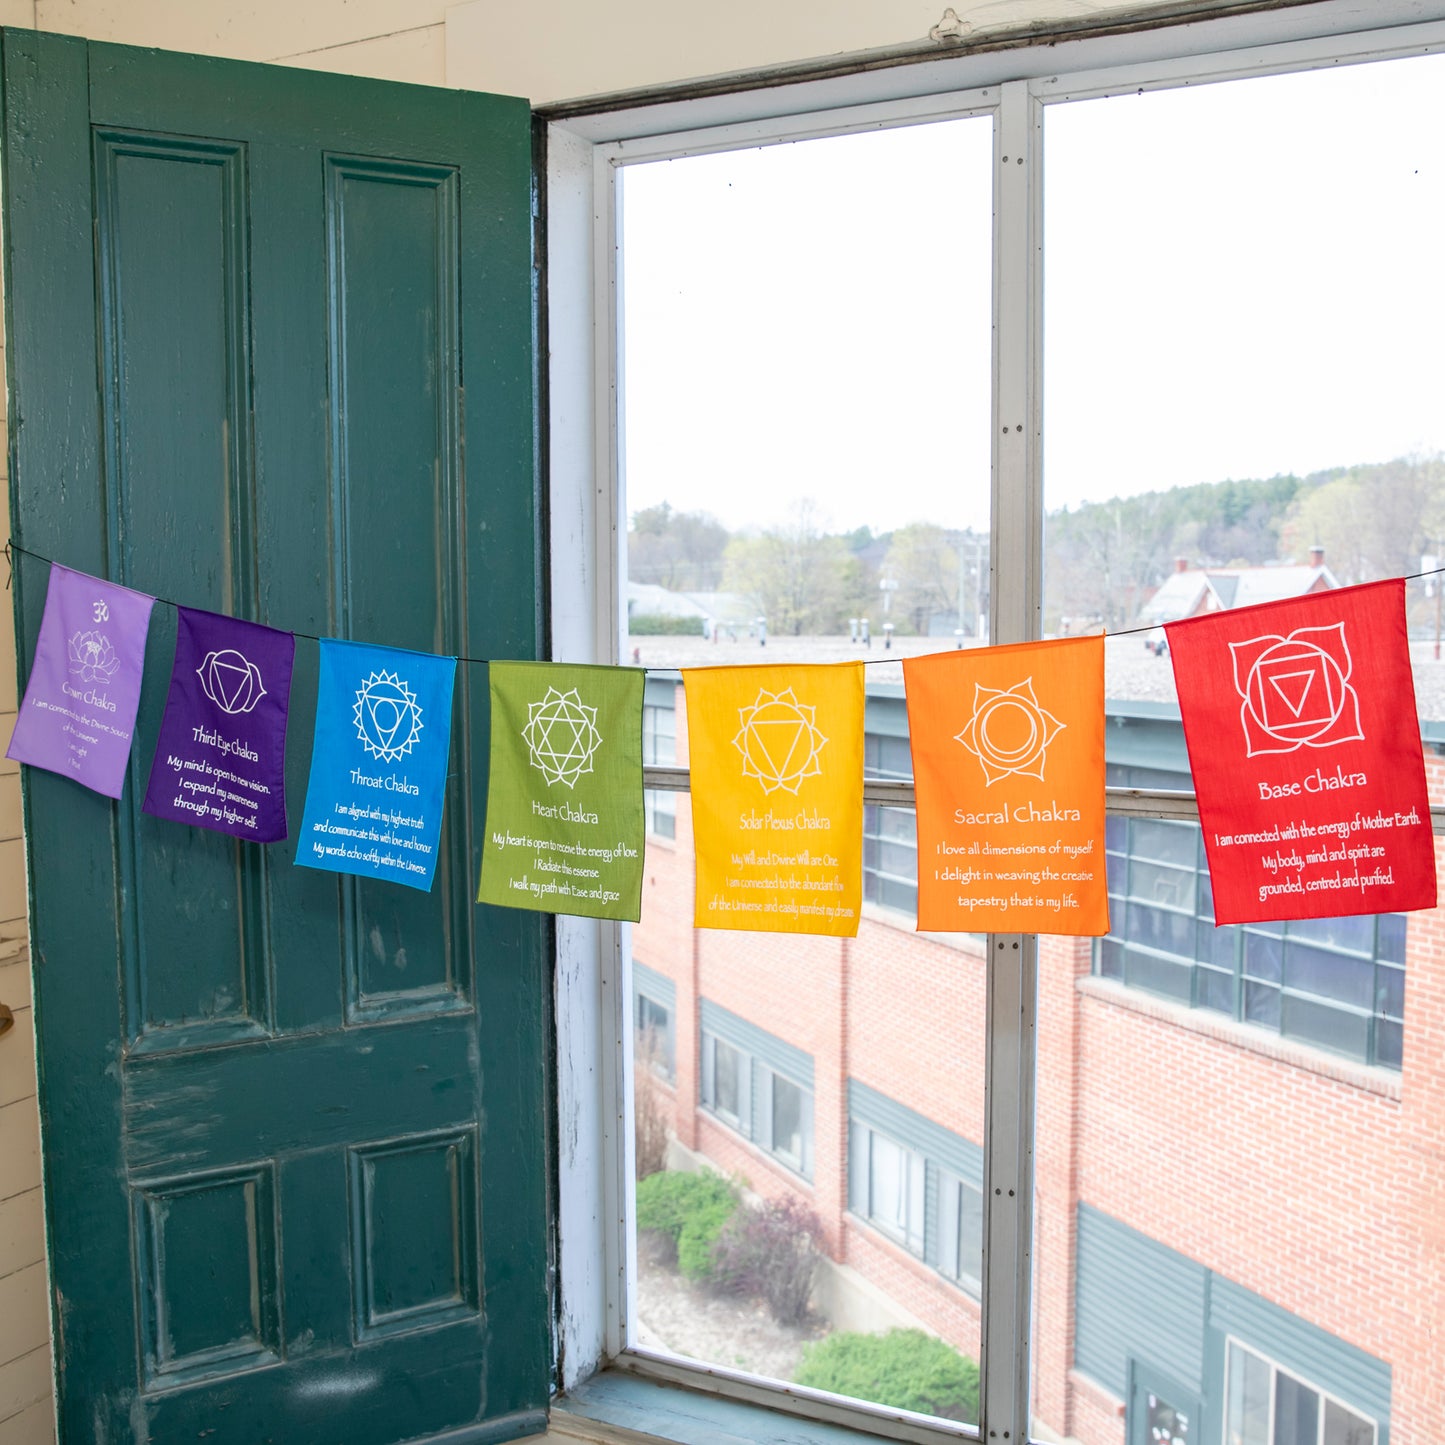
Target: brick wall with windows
column 1302, row 1176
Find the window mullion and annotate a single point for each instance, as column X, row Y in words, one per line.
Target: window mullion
column 1017, row 519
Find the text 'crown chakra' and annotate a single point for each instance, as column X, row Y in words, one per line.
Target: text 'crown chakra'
column 561, row 736
column 387, row 715
column 231, row 681
column 779, row 742
column 1009, row 732
column 1295, row 691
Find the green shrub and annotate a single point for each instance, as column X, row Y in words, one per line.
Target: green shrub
column 657, row 624
column 691, row 1209
column 904, row 1368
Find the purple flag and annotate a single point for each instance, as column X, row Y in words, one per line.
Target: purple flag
column 80, row 703
column 221, row 757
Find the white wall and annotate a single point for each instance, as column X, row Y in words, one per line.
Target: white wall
column 547, row 52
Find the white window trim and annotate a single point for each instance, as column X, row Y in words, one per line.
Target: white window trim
column 1231, row 1341
column 594, row 1093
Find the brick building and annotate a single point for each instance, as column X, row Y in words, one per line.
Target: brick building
column 1236, row 1234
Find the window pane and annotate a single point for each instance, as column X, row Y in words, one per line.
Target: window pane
column 788, row 1120
column 728, row 1067
column 1343, row 1427
column 1248, row 1393
column 1199, row 240
column 1296, row 1412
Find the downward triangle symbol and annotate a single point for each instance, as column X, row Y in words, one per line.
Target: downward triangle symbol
column 1293, row 688
column 779, row 742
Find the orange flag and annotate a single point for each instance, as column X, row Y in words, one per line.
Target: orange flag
column 1008, row 768
column 777, row 796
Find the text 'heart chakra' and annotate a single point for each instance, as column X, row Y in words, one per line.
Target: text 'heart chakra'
column 779, row 742
column 561, row 736
column 231, row 681
column 388, row 717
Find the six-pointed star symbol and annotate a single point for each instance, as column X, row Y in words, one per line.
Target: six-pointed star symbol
column 561, row 735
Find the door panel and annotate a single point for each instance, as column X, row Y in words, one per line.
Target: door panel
column 270, row 353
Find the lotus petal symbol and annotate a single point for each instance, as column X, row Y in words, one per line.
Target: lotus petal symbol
column 1009, row 732
column 561, row 736
column 1295, row 691
column 387, row 716
column 779, row 742
column 92, row 657
column 231, row 681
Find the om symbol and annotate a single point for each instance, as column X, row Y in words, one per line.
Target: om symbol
column 102, row 612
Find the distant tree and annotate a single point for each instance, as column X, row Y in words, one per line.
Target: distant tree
column 682, row 551
column 1372, row 521
column 796, row 576
column 931, row 566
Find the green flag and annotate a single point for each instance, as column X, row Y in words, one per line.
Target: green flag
column 564, row 801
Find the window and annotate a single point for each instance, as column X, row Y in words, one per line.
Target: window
column 1269, row 1406
column 1337, row 983
column 960, row 1231
column 653, row 1022
column 1070, row 549
column 890, row 1186
column 890, row 837
column 759, row 1086
column 916, row 1182
column 659, row 749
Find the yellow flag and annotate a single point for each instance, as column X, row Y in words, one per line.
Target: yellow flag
column 777, row 796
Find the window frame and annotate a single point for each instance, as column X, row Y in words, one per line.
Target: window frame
column 1014, row 76
column 1324, row 1396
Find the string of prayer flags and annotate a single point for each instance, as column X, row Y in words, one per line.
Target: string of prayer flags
column 78, row 715
column 379, row 763
column 1008, row 775
column 1300, row 721
column 565, row 826
column 777, row 796
column 220, row 761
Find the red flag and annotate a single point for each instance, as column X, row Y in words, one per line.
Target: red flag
column 1305, row 748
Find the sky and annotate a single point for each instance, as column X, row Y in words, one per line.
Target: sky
column 1241, row 279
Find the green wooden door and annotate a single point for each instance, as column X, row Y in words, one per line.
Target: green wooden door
column 270, row 353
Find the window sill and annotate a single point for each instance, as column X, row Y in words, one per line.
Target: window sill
column 1385, row 1083
column 698, row 1406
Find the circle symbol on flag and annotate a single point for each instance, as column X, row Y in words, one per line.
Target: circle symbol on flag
column 231, row 681
column 1009, row 732
column 388, row 717
column 561, row 736
column 779, row 742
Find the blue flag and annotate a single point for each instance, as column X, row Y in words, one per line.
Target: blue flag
column 379, row 763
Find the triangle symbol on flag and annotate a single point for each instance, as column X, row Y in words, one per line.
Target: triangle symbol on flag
column 229, row 680
column 386, row 718
column 779, row 742
column 1293, row 688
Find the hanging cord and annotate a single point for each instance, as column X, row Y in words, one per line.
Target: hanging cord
column 12, row 546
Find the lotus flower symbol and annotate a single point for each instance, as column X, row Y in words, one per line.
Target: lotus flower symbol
column 231, row 680
column 92, row 657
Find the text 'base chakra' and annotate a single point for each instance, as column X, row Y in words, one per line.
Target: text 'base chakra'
column 1009, row 733
column 779, row 742
column 561, row 736
column 388, row 716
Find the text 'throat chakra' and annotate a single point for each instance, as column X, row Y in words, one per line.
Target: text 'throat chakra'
column 561, row 735
column 388, row 717
column 1009, row 732
column 778, row 741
